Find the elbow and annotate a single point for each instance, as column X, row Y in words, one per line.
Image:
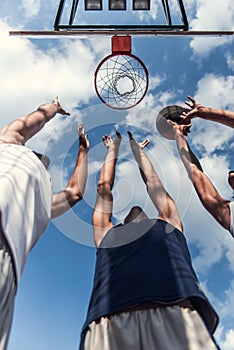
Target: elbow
column 73, row 196
column 77, row 196
column 103, row 188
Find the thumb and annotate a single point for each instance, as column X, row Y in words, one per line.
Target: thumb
column 171, row 122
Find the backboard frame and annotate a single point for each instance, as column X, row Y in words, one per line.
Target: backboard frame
column 79, row 31
column 70, row 26
column 54, row 34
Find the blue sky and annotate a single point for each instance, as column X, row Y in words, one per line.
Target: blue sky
column 54, row 291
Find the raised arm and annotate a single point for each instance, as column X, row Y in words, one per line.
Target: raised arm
column 213, row 114
column 214, row 203
column 104, row 201
column 23, row 128
column 162, row 201
column 74, row 190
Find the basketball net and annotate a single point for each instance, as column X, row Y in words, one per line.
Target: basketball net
column 121, row 79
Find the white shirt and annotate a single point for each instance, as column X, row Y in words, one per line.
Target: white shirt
column 25, row 201
column 231, row 229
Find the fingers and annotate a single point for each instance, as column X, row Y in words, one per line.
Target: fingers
column 118, row 134
column 190, row 103
column 83, row 138
column 171, row 122
column 106, row 139
column 55, row 100
column 191, row 99
column 80, row 129
column 130, row 135
column 145, row 143
column 140, row 144
column 184, row 128
column 185, row 112
column 60, row 108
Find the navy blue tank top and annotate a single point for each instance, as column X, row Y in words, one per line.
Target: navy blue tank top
column 152, row 265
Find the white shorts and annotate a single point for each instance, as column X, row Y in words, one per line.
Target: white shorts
column 7, row 294
column 160, row 328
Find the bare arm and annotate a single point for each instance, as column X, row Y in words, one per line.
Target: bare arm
column 104, row 201
column 161, row 199
column 213, row 114
column 23, row 128
column 216, row 205
column 74, row 190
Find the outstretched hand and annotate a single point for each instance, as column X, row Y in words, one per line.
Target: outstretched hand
column 192, row 111
column 83, row 138
column 60, row 108
column 182, row 129
column 142, row 144
column 109, row 141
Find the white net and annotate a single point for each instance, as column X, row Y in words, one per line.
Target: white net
column 121, row 81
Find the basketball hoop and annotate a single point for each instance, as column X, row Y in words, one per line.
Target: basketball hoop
column 121, row 79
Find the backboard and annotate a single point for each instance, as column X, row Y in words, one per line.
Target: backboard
column 121, row 15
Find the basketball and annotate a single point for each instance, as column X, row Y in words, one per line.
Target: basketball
column 170, row 112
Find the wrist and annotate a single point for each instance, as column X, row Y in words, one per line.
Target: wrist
column 83, row 149
column 179, row 133
column 113, row 148
column 202, row 111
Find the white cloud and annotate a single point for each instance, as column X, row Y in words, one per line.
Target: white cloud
column 230, row 61
column 144, row 16
column 31, row 8
column 230, row 255
column 217, row 174
column 215, row 90
column 154, row 82
column 225, row 338
column 144, row 115
column 228, row 344
column 189, row 4
column 228, row 305
column 210, row 137
column 31, row 76
column 206, row 234
column 210, row 17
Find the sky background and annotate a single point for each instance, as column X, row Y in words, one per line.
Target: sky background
column 53, row 295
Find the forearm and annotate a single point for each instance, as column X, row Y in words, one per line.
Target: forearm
column 162, row 201
column 144, row 164
column 189, row 159
column 73, row 193
column 150, row 177
column 217, row 206
column 107, row 174
column 217, row 115
column 77, row 181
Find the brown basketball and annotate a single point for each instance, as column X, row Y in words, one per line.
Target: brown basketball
column 170, row 112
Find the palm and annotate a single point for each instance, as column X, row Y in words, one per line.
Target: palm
column 83, row 138
column 141, row 145
column 109, row 141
